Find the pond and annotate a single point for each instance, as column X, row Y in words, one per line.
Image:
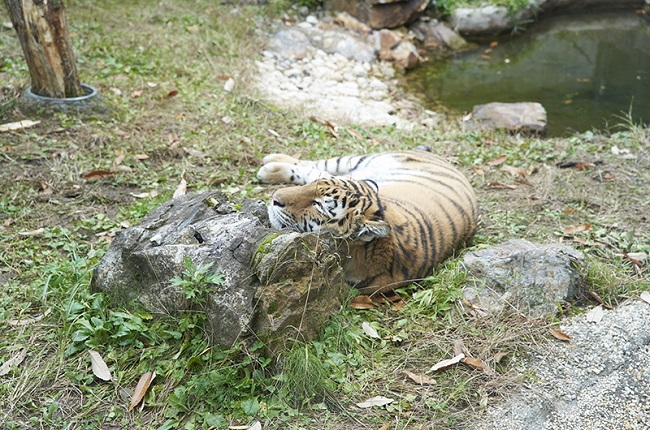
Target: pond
column 589, row 71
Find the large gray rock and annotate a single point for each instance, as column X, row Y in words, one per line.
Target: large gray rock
column 271, row 278
column 482, row 21
column 437, row 35
column 490, row 20
column 599, row 380
column 522, row 276
column 380, row 14
column 526, row 117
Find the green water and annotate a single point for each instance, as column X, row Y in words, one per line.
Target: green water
column 588, row 71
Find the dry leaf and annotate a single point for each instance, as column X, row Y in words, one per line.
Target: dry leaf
column 495, row 184
column 476, row 363
column 645, row 296
column 597, row 297
column 574, row 165
column 639, row 257
column 384, row 298
column 141, row 389
column 119, row 157
column 194, row 152
column 560, row 335
column 633, row 260
column 362, row 302
column 385, row 427
column 573, row 229
column 172, row 94
column 354, row 133
column 135, row 94
column 229, row 85
column 181, row 189
column 99, row 367
column 497, row 161
column 13, row 361
column 369, row 330
column 256, row 426
column 375, row 401
column 32, row 232
column 152, row 194
column 419, row 379
column 596, row 314
column 97, row 174
column 447, row 363
column 398, row 306
column 18, row 125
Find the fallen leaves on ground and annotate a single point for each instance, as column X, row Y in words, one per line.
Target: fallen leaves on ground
column 141, row 389
column 375, row 401
column 419, row 378
column 13, row 361
column 497, row 161
column 99, row 367
column 496, row 184
column 36, row 232
column 596, row 314
column 18, row 125
column 578, row 165
column 573, row 229
column 560, row 335
column 181, row 189
column 645, row 296
column 369, row 330
column 447, row 363
column 476, row 364
column 362, row 302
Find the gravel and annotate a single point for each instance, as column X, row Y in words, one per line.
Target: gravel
column 599, row 380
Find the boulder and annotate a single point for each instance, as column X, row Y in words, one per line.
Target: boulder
column 275, row 284
column 393, row 48
column 437, row 35
column 481, row 21
column 380, row 13
column 522, row 276
column 527, row 117
column 291, row 43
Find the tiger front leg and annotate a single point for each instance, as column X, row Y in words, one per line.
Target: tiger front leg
column 278, row 172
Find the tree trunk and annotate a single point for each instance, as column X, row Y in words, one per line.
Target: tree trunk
column 42, row 30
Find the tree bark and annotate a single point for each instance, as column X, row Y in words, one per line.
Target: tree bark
column 43, row 34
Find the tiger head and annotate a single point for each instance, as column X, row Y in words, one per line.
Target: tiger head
column 347, row 208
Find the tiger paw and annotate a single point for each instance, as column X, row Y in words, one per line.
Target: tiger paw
column 279, row 158
column 274, row 172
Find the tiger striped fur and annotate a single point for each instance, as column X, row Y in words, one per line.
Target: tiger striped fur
column 401, row 212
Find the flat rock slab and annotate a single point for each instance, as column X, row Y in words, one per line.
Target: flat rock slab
column 270, row 286
column 526, row 117
column 523, row 276
column 599, row 380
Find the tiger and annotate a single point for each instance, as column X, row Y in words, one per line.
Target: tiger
column 400, row 213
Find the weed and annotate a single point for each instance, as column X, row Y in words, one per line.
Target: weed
column 196, row 281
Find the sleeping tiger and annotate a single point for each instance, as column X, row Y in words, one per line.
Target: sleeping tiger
column 401, row 213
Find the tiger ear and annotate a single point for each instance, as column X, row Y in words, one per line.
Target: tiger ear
column 370, row 230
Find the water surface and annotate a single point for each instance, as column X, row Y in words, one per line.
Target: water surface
column 588, row 71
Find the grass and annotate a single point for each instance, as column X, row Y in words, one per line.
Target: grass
column 162, row 72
